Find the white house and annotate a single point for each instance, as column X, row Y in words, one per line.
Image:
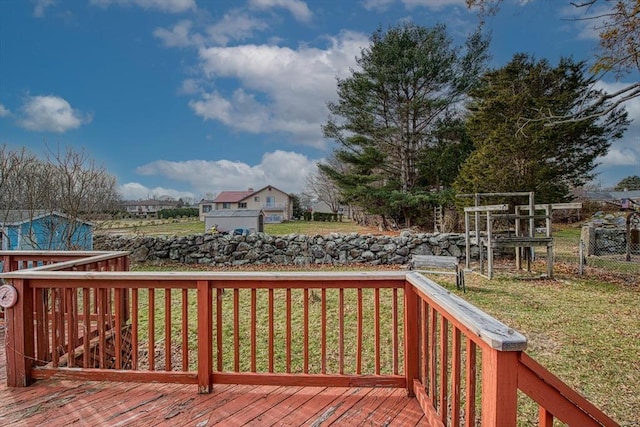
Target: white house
column 276, row 205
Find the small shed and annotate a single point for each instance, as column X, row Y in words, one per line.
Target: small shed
column 44, row 229
column 227, row 220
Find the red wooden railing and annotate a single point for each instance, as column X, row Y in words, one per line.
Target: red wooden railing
column 387, row 329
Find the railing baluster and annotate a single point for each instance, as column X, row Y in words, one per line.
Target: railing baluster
column 341, row 331
column 444, row 354
column 545, row 418
column 236, row 330
column 288, row 338
column 376, row 328
column 424, row 340
column 305, row 329
column 254, row 332
column 42, row 326
column 433, row 355
column 455, row 378
column 72, row 327
column 55, row 342
column 117, row 336
column 134, row 328
column 86, row 327
column 167, row 329
column 323, row 331
column 219, row 347
column 271, row 330
column 359, row 335
column 394, row 332
column 470, row 381
column 152, row 330
column 185, row 330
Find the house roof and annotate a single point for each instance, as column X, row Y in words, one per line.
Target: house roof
column 238, row 213
column 613, row 195
column 238, row 196
column 151, row 202
column 232, row 196
column 20, row 216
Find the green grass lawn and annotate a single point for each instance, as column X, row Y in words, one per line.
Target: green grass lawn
column 584, row 330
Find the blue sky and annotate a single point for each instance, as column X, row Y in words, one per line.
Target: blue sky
column 188, row 98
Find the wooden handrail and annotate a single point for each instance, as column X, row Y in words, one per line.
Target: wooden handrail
column 63, row 315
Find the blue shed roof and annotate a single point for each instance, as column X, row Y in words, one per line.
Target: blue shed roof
column 21, row 216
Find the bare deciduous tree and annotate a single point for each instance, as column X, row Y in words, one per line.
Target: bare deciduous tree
column 320, row 187
column 68, row 182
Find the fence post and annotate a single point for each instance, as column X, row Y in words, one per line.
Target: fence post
column 205, row 337
column 20, row 349
column 499, row 387
column 411, row 337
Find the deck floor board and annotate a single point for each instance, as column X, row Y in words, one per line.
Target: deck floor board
column 55, row 402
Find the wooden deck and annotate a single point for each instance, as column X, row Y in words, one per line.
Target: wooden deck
column 58, row 402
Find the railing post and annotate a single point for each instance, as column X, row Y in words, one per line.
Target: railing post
column 411, row 337
column 499, row 387
column 205, row 337
column 19, row 343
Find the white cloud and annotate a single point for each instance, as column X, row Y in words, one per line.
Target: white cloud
column 298, row 9
column 282, row 169
column 137, row 191
column 4, row 112
column 379, row 5
column 40, row 6
column 433, row 4
column 50, row 114
column 625, row 151
column 170, row 6
column 279, row 89
column 177, row 36
column 234, row 25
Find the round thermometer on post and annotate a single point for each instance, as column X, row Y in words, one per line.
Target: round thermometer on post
column 8, row 296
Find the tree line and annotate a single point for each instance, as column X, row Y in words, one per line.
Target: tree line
column 421, row 119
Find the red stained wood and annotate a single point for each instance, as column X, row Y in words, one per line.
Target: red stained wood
column 305, row 329
column 411, row 343
column 359, row 335
column 455, row 377
column 470, row 381
column 151, row 330
column 185, row 329
column 254, row 333
column 236, row 330
column 167, row 329
column 376, row 328
column 341, row 331
column 271, row 330
column 444, row 356
column 323, row 331
column 134, row 328
column 205, row 339
column 288, row 332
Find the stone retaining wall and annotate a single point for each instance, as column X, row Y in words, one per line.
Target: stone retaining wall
column 293, row 249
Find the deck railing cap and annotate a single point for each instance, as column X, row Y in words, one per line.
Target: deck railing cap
column 493, row 332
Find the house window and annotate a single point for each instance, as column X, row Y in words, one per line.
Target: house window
column 271, row 202
column 206, row 208
column 242, row 205
column 256, row 198
column 226, row 206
